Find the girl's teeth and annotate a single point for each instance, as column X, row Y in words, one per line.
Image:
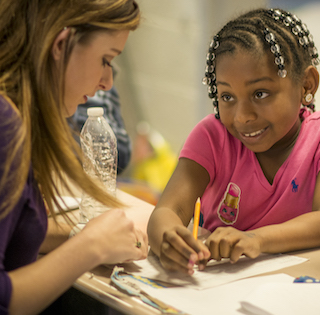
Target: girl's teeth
column 254, row 133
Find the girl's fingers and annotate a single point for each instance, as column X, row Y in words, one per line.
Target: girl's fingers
column 221, row 242
column 173, row 260
column 197, row 246
column 180, row 247
column 178, row 251
column 232, row 243
column 179, row 241
column 226, row 246
column 236, row 253
column 213, row 246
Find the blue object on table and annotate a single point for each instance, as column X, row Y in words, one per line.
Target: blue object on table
column 306, row 279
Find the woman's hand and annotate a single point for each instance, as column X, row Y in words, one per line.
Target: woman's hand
column 115, row 237
column 228, row 242
column 180, row 251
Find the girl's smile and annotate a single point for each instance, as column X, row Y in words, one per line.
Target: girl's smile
column 256, row 133
column 255, row 104
column 253, row 138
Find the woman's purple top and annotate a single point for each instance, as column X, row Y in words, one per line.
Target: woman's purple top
column 23, row 230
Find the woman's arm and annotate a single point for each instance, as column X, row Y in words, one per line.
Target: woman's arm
column 110, row 238
column 168, row 236
column 56, row 235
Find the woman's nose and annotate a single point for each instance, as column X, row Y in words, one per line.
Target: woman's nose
column 106, row 80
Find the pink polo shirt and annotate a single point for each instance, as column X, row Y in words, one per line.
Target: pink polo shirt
column 238, row 193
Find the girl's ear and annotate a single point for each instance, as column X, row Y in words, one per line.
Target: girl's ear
column 58, row 43
column 310, row 84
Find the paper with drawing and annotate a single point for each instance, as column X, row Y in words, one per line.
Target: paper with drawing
column 216, row 273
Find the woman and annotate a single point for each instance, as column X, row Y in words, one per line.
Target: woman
column 53, row 54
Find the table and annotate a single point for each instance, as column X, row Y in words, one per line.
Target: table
column 96, row 283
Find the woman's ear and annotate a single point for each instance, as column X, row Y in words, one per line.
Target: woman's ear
column 58, row 43
column 310, row 84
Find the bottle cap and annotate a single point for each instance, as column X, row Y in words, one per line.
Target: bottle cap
column 95, row 111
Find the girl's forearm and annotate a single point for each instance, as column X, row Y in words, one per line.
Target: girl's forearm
column 299, row 233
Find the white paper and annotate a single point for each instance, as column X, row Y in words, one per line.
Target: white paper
column 215, row 274
column 284, row 298
column 221, row 300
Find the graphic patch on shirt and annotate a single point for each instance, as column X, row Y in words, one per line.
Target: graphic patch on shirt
column 229, row 207
column 294, row 186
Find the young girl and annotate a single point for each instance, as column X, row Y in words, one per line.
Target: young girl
column 254, row 163
column 52, row 55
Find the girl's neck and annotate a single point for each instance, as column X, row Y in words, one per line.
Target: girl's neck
column 270, row 161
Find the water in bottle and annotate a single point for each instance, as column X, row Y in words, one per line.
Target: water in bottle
column 100, row 155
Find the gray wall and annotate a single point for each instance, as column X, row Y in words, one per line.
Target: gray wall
column 163, row 63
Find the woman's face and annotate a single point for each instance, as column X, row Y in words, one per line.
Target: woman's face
column 89, row 69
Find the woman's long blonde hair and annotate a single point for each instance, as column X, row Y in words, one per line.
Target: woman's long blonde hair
column 28, row 29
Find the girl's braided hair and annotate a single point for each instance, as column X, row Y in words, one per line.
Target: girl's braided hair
column 278, row 32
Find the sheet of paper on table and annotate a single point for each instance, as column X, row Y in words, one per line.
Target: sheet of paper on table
column 216, row 273
column 264, row 295
column 283, row 298
column 224, row 299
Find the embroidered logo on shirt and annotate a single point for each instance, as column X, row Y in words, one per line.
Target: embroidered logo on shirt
column 294, row 185
column 229, row 207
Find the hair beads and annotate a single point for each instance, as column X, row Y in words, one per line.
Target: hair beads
column 210, row 76
column 300, row 30
column 275, row 49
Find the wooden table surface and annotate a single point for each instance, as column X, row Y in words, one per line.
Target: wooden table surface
column 96, row 283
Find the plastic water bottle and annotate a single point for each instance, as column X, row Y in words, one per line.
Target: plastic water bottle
column 100, row 156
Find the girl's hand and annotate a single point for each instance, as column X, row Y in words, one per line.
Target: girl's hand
column 180, row 251
column 115, row 237
column 228, row 242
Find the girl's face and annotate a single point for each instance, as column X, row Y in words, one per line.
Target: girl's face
column 89, row 67
column 257, row 106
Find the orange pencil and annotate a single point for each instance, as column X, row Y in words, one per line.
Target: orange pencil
column 196, row 218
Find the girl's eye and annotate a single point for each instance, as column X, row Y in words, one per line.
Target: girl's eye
column 226, row 98
column 261, row 95
column 105, row 62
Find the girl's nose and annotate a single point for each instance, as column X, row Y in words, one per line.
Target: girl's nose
column 245, row 112
column 106, row 81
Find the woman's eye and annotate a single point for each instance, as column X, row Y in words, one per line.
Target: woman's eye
column 105, row 62
column 261, row 95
